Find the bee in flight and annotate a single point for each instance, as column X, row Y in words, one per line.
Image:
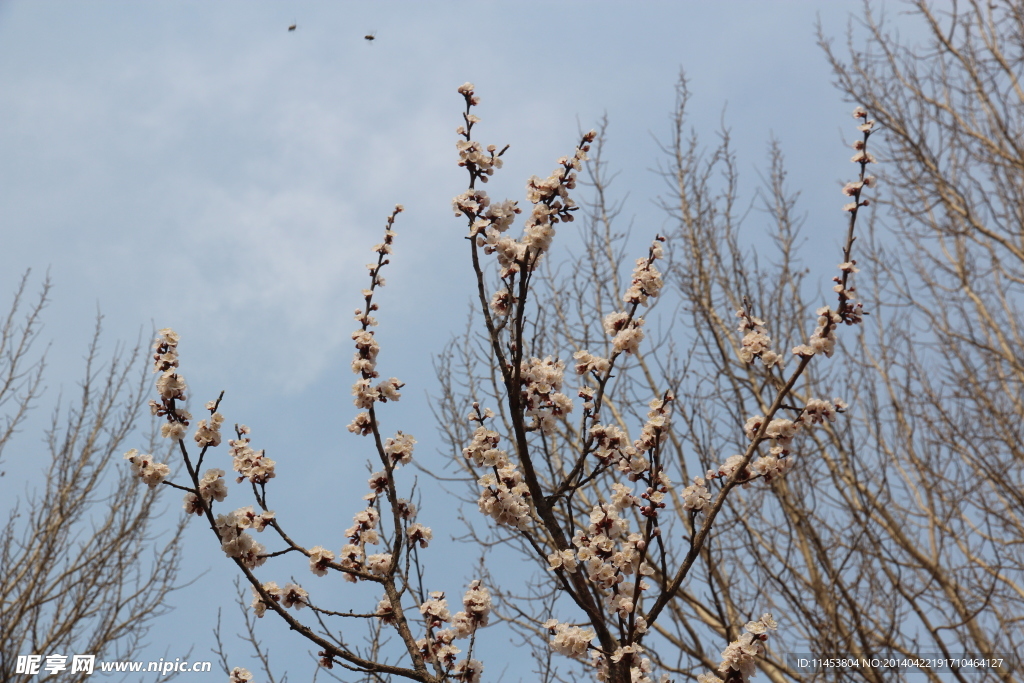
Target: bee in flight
column 370, row 37
column 293, row 27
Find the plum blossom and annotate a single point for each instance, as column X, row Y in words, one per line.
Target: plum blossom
column 399, row 449
column 477, row 603
column 208, row 432
column 351, row 560
column 258, row 604
column 629, row 337
column 144, row 467
column 362, row 425
column 364, row 527
column 542, row 399
column 563, row 559
column 379, row 563
column 771, row 466
column 246, row 518
column 171, row 385
column 173, row 430
column 741, row 654
column 696, row 496
column 239, row 675
column 419, row 534
column 235, row 542
column 756, row 343
column 293, row 595
column 483, row 451
column 248, row 463
column 818, row 410
column 385, row 612
column 212, row 487
column 585, row 362
column 571, row 641
column 468, row 671
column 504, row 497
column 731, row 465
column 435, row 610
column 646, row 282
column 319, row 559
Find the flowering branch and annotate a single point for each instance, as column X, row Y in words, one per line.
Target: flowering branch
column 602, row 564
column 433, row 658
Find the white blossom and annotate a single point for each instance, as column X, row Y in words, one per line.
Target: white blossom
column 239, row 675
column 144, row 467
column 319, row 558
column 399, row 449
column 571, row 641
column 696, row 496
column 208, row 432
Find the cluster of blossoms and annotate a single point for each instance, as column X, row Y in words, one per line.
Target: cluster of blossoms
column 589, row 363
column 851, row 312
column 320, row 558
column 235, row 542
column 612, row 446
column 292, row 595
column 208, row 431
column 504, row 495
column 823, row 339
column 740, row 655
column 482, row 161
column 630, row 655
column 696, row 496
column 768, row 466
column 366, row 395
column 862, row 156
column 819, row 410
column 239, row 675
column 622, row 326
column 541, row 382
column 367, row 347
column 252, row 465
column 211, row 487
column 438, row 645
column 571, row 641
column 363, row 532
column 170, row 385
column 551, row 200
column 625, row 331
column 398, row 449
column 646, row 282
column 756, row 342
column 781, row 432
column 145, row 468
column 574, row 642
column 489, row 220
column 609, row 553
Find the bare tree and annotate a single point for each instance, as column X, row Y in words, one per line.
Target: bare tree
column 78, row 575
column 946, row 363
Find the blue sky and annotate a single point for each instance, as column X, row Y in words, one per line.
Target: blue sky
column 195, row 165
